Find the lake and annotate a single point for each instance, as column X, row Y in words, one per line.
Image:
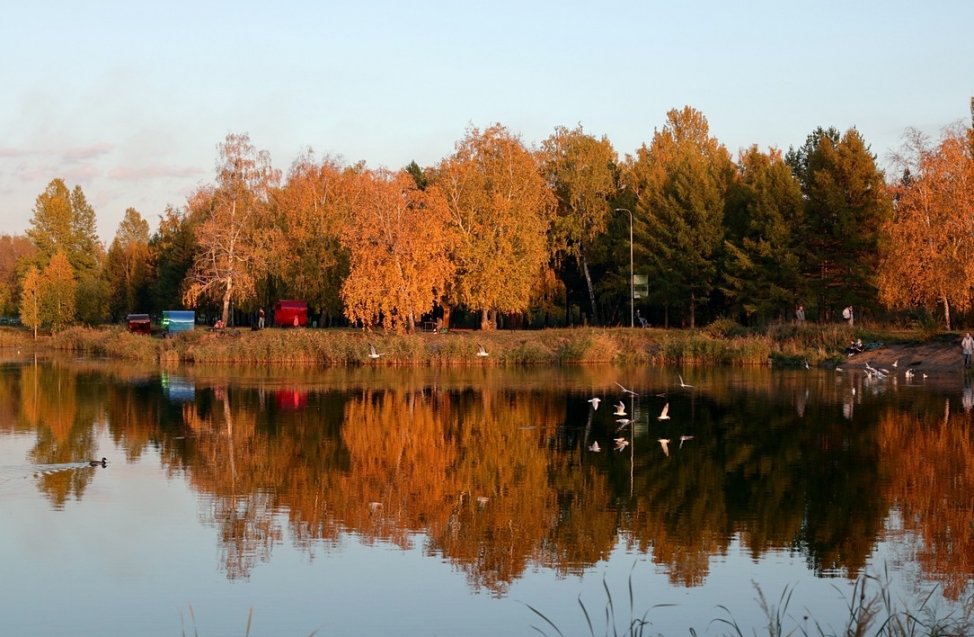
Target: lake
column 416, row 501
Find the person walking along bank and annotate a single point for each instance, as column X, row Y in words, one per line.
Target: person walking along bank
column 967, row 346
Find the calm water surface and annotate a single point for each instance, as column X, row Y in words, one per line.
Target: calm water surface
column 424, row 502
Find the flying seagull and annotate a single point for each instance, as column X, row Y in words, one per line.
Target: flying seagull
column 372, row 351
column 620, row 409
column 627, row 391
column 595, row 402
column 622, row 423
column 664, row 442
column 665, row 414
column 595, row 447
column 481, row 350
column 682, row 384
column 621, row 443
column 684, row 439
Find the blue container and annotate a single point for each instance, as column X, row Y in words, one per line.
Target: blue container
column 175, row 321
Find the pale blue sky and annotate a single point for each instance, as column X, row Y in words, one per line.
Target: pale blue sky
column 129, row 99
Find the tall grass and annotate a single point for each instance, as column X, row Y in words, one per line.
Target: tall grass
column 722, row 343
column 872, row 612
column 635, row 626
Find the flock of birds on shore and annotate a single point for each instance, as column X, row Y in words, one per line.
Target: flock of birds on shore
column 883, row 373
column 623, row 420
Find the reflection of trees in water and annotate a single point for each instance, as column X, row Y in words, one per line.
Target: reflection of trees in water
column 237, row 470
column 931, row 482
column 496, row 476
column 65, row 425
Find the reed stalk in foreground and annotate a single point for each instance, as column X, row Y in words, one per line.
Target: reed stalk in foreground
column 250, row 618
column 870, row 614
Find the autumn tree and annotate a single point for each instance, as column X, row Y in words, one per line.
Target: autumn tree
column 16, row 254
column 312, row 209
column 500, row 208
column 235, row 239
column 846, row 204
column 127, row 265
column 30, row 300
column 399, row 241
column 63, row 221
column 761, row 274
column 928, row 255
column 580, row 172
column 681, row 182
column 57, row 291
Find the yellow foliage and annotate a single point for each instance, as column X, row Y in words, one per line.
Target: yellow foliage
column 398, row 240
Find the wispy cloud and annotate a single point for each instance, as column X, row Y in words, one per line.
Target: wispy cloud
column 15, row 152
column 84, row 153
column 155, row 172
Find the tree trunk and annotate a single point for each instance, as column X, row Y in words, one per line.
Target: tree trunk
column 226, row 302
column 591, row 290
column 947, row 311
column 446, row 315
column 693, row 310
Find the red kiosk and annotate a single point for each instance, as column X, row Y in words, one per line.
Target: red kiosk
column 285, row 313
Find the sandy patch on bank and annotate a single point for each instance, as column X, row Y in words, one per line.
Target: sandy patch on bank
column 939, row 356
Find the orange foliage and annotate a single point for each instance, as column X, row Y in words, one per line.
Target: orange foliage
column 399, row 240
column 931, row 487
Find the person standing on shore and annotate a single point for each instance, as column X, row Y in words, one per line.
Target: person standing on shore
column 800, row 315
column 849, row 315
column 967, row 346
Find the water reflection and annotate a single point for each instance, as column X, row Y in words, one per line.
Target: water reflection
column 494, row 469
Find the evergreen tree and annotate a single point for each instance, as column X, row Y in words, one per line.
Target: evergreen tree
column 171, row 251
column 126, row 269
column 761, row 276
column 846, row 203
column 681, row 183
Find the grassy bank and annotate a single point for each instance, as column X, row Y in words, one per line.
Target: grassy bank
column 722, row 343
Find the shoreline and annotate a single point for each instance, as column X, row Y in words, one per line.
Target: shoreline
column 720, row 344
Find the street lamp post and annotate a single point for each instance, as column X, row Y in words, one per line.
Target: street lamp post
column 632, row 284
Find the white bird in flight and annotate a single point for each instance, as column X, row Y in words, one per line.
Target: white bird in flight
column 595, row 447
column 627, row 391
column 481, row 350
column 664, row 442
column 595, row 402
column 665, row 414
column 622, row 423
column 373, row 353
column 684, row 439
column 896, row 362
column 682, row 384
column 621, row 443
column 620, row 409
